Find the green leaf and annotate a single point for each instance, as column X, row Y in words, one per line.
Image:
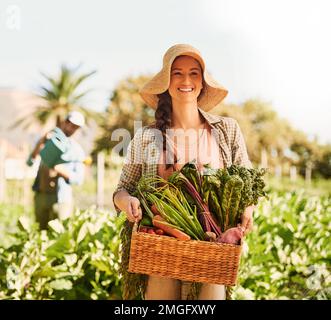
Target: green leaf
column 56, row 225
column 25, row 224
column 286, row 234
column 60, row 247
column 61, row 284
column 70, row 259
column 82, row 232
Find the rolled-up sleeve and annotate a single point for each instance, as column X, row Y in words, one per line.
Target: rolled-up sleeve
column 132, row 167
column 239, row 150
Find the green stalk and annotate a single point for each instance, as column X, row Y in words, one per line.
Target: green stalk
column 144, row 204
column 175, row 201
column 179, row 217
column 170, row 213
column 194, row 217
column 180, row 221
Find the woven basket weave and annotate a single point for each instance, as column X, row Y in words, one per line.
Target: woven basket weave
column 192, row 260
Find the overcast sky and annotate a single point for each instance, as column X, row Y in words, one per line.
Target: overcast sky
column 275, row 50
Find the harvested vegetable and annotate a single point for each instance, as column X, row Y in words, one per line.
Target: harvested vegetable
column 206, row 219
column 154, row 209
column 143, row 229
column 232, row 236
column 160, row 232
column 203, row 205
column 210, row 236
column 230, row 200
column 160, row 223
column 151, row 231
column 171, row 204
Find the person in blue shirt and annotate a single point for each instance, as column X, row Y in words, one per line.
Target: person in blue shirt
column 53, row 196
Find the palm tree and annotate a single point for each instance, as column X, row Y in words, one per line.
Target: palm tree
column 60, row 96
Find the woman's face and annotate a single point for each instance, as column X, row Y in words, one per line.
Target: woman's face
column 185, row 80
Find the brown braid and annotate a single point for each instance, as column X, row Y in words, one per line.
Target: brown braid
column 163, row 118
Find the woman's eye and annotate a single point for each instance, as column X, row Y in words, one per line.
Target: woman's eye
column 176, row 73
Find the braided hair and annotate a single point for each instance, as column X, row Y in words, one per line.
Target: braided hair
column 163, row 118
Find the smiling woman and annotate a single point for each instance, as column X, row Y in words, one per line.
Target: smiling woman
column 182, row 93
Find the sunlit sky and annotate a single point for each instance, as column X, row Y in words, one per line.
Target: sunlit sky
column 275, row 50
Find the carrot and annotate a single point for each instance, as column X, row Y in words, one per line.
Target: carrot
column 160, row 223
column 155, row 210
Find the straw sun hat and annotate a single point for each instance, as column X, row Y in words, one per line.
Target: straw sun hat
column 212, row 94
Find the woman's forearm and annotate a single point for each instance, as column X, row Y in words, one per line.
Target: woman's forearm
column 121, row 199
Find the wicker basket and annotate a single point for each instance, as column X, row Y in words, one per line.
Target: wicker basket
column 193, row 260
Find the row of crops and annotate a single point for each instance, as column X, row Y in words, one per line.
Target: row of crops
column 288, row 256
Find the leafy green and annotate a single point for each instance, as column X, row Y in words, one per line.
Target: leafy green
column 230, row 201
column 74, row 259
column 287, row 256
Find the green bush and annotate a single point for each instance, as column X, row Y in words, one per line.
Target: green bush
column 74, row 259
column 9, row 215
column 288, row 255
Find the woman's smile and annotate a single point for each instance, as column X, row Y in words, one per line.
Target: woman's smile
column 190, row 89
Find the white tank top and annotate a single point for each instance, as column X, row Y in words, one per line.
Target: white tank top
column 190, row 145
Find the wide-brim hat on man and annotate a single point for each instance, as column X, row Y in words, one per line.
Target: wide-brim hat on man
column 212, row 94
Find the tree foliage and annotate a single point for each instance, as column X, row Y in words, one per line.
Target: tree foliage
column 59, row 95
column 263, row 129
column 126, row 106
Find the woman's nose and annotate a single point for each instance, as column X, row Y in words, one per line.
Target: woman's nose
column 187, row 79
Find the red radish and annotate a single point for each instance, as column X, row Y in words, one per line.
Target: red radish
column 143, row 229
column 232, row 236
column 151, row 231
column 160, row 232
column 160, row 223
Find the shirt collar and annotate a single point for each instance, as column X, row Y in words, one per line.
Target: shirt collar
column 210, row 118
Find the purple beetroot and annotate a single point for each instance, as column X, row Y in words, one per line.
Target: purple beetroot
column 232, row 236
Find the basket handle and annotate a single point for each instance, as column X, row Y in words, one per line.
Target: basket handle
column 135, row 227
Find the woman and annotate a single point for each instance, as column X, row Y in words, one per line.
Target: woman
column 181, row 93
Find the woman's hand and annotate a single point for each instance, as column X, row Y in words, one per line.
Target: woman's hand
column 247, row 219
column 133, row 209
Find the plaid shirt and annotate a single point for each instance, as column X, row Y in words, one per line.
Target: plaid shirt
column 144, row 150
